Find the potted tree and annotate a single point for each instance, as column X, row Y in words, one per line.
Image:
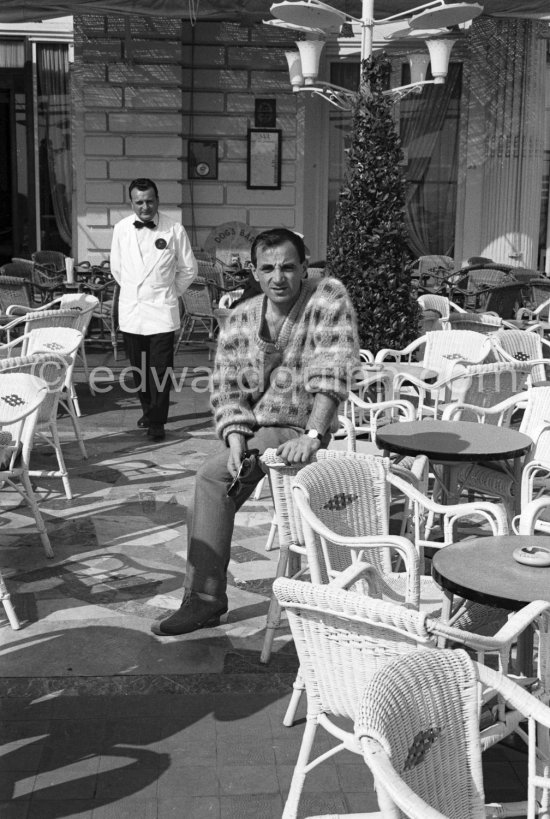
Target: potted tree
column 367, row 247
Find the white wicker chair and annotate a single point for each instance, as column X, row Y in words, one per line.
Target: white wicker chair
column 84, row 306
column 5, row 442
column 437, row 351
column 525, row 346
column 441, row 305
column 75, row 317
column 287, row 527
column 484, row 323
column 492, row 480
column 21, row 395
column 292, row 551
column 483, row 385
column 59, row 341
column 198, row 310
column 342, row 639
column 425, row 751
column 52, row 369
column 342, row 508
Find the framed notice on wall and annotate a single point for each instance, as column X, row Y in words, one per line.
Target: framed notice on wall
column 264, row 158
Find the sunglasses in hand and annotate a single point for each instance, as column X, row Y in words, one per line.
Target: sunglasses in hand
column 248, row 463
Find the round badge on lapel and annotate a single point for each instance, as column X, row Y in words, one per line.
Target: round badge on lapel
column 160, row 243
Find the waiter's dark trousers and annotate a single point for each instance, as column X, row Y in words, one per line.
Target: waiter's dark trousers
column 152, row 358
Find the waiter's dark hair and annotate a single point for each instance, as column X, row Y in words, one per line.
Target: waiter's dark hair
column 143, row 184
column 274, row 238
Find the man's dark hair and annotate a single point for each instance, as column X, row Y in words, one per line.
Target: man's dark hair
column 274, row 238
column 143, row 184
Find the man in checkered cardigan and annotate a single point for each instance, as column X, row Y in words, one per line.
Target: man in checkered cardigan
column 285, row 361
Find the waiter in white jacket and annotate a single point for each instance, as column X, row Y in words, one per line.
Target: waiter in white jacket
column 152, row 261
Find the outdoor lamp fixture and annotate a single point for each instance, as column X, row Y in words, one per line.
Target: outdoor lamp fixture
column 316, row 19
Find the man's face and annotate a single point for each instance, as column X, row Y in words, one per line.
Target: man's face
column 279, row 273
column 145, row 204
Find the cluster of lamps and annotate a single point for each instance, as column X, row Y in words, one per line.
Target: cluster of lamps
column 434, row 22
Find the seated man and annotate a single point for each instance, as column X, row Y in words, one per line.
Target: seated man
column 284, row 362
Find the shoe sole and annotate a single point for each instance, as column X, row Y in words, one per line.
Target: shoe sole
column 213, row 621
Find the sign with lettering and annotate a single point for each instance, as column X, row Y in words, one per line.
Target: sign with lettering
column 231, row 239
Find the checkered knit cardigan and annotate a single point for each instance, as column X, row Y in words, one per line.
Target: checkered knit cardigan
column 257, row 383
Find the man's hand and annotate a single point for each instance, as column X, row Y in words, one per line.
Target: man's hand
column 237, row 447
column 298, row 450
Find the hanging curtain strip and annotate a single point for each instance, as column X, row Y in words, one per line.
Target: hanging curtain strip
column 53, row 76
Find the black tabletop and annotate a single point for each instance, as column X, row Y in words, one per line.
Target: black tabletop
column 484, row 570
column 452, row 441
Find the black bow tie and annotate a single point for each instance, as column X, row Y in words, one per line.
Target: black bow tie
column 140, row 224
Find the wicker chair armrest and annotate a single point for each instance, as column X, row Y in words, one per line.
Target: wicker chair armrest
column 493, row 514
column 347, row 430
column 384, row 773
column 366, row 356
column 530, row 513
column 7, row 327
column 514, row 401
column 357, row 571
column 538, row 310
column 14, row 309
column 524, row 314
column 507, row 634
column 381, row 355
column 517, row 697
column 401, row 378
column 372, row 406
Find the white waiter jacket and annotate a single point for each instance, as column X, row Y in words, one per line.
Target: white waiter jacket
column 152, row 271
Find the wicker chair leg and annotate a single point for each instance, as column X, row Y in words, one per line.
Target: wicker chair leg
column 259, row 489
column 68, row 405
column 40, row 525
column 274, row 612
column 10, row 613
column 296, row 786
column 61, row 462
column 184, row 325
column 271, row 537
column 8, row 606
column 74, row 399
column 86, row 368
column 297, row 688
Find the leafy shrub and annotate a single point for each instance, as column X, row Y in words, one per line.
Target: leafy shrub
column 367, row 247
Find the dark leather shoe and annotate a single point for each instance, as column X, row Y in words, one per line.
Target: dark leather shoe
column 193, row 614
column 143, row 422
column 156, row 432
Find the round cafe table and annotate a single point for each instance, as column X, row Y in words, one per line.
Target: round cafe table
column 484, row 570
column 450, row 444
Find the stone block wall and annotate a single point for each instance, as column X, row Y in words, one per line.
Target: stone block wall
column 142, row 88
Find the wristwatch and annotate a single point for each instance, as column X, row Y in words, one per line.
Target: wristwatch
column 313, row 433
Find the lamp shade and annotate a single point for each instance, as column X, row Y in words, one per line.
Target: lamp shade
column 310, row 53
column 294, row 69
column 440, row 51
column 419, row 66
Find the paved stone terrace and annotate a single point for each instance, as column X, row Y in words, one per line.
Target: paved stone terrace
column 99, row 717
